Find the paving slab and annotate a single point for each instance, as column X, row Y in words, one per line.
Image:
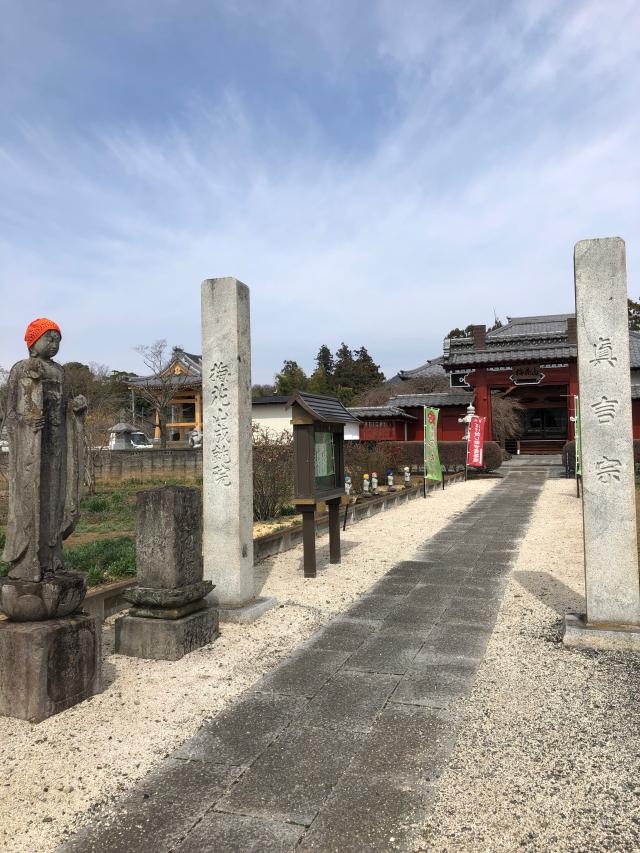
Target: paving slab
column 386, row 653
column 293, row 778
column 304, row 673
column 244, row 730
column 158, row 814
column 435, row 684
column 231, row 833
column 342, row 635
column 478, row 612
column 350, row 700
column 375, row 607
column 460, row 640
column 418, row 618
column 381, row 800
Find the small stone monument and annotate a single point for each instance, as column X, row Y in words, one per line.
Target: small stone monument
column 608, row 495
column 227, row 464
column 50, row 655
column 170, row 616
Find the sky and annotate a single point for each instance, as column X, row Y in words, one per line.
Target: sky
column 377, row 171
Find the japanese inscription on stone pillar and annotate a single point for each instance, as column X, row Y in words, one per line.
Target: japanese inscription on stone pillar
column 219, row 414
column 611, row 558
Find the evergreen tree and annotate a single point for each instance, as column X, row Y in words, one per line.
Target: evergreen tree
column 324, row 360
column 320, row 381
column 291, row 378
column 366, row 373
column 633, row 309
column 343, row 371
column 461, row 333
column 258, row 391
column 344, row 394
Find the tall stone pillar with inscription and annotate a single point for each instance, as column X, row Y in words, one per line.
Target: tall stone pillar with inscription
column 227, row 450
column 609, row 509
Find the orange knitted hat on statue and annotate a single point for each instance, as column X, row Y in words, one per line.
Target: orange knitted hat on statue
column 37, row 328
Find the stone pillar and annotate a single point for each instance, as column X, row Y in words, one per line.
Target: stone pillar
column 609, row 506
column 227, row 469
column 170, row 616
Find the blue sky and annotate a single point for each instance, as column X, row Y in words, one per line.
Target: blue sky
column 377, row 172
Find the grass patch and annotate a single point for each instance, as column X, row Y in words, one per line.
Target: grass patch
column 103, row 560
column 107, row 513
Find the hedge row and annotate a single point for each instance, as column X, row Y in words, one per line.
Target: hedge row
column 365, row 457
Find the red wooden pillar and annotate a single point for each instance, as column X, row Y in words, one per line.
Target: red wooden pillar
column 482, row 400
column 573, row 390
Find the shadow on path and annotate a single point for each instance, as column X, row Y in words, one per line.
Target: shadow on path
column 551, row 592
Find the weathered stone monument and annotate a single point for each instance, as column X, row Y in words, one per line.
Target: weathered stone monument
column 227, row 449
column 609, row 507
column 50, row 656
column 171, row 616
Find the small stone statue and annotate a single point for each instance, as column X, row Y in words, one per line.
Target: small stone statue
column 195, row 438
column 45, row 427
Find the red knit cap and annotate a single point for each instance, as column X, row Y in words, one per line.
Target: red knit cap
column 37, row 328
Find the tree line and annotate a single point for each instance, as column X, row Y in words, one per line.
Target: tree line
column 346, row 375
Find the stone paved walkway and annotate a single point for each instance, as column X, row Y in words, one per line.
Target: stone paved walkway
column 340, row 748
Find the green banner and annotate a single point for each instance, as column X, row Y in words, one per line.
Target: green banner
column 578, row 431
column 432, row 468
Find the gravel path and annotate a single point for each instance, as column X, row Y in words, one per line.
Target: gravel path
column 548, row 754
column 56, row 774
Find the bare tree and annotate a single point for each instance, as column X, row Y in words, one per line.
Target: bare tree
column 158, row 389
column 381, row 394
column 506, row 418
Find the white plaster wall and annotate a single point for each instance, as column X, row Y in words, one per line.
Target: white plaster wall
column 273, row 417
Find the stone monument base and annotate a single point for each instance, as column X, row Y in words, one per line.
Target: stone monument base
column 49, row 666
column 165, row 639
column 580, row 634
column 247, row 613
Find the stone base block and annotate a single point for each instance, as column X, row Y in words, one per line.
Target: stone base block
column 165, row 639
column 580, row 634
column 249, row 613
column 168, row 612
column 47, row 667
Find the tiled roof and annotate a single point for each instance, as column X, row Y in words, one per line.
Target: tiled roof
column 433, row 367
column 178, row 380
column 513, row 355
column 270, row 400
column 369, row 412
column 634, row 350
column 536, row 325
column 437, row 399
column 325, row 409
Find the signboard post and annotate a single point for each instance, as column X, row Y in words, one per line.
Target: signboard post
column 578, row 431
column 475, row 446
column 432, row 467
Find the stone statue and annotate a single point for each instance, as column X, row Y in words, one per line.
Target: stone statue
column 45, row 427
column 195, row 438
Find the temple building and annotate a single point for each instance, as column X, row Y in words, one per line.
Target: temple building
column 532, row 360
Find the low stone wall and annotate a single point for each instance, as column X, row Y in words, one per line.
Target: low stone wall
column 116, row 465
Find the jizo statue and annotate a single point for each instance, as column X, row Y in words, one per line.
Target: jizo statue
column 45, row 429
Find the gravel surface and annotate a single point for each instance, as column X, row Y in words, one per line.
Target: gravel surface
column 56, row 774
column 547, row 758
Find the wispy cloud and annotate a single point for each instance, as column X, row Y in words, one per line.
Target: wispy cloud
column 440, row 160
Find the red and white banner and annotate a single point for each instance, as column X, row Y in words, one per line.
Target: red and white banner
column 475, row 448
